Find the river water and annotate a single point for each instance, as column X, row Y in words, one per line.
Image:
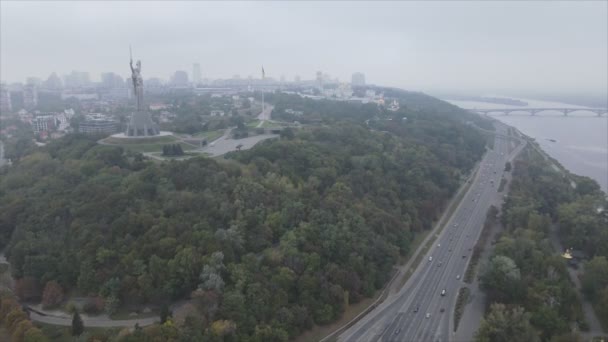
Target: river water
column 581, row 138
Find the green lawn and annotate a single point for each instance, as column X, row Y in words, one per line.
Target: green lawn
column 166, row 139
column 185, row 156
column 153, row 147
column 152, row 144
column 253, row 124
column 268, row 124
column 209, row 135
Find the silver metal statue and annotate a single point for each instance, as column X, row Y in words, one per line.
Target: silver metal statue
column 138, row 83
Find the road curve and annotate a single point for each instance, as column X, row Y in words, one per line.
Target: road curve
column 91, row 321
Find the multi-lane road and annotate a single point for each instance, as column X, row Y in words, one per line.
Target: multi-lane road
column 2, row 161
column 422, row 310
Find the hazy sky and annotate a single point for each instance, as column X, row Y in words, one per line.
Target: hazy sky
column 469, row 46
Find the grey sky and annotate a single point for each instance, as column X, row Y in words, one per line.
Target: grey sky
column 477, row 46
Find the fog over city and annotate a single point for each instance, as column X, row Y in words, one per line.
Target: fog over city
column 437, row 46
column 306, row 171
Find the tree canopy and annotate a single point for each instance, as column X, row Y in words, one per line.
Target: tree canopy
column 264, row 243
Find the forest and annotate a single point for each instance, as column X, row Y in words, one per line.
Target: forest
column 263, row 243
column 531, row 295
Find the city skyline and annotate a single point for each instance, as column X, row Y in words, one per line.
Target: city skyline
column 109, row 76
column 394, row 48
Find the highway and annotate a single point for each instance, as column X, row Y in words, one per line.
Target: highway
column 2, row 161
column 420, row 310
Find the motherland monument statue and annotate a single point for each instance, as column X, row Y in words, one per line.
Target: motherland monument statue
column 140, row 124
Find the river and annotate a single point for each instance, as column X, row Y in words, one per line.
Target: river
column 580, row 139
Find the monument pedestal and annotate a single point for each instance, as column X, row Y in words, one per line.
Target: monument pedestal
column 141, row 125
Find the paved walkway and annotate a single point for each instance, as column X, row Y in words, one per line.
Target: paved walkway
column 595, row 327
column 101, row 321
column 56, row 317
column 225, row 143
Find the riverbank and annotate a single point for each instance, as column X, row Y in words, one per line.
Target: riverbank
column 477, row 304
column 579, row 141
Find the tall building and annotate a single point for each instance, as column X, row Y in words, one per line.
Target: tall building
column 196, row 73
column 30, row 96
column 77, row 79
column 34, row 81
column 110, row 80
column 319, row 79
column 5, row 100
column 180, row 78
column 358, row 79
column 53, row 82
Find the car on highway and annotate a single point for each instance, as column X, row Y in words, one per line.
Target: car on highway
column 443, row 292
column 438, row 245
column 442, row 310
column 430, row 258
column 458, row 276
column 428, row 315
column 416, row 309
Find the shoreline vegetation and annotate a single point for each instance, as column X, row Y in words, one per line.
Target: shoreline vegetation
column 541, row 193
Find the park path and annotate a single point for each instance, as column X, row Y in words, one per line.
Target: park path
column 595, row 327
column 56, row 317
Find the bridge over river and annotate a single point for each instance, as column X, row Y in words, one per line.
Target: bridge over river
column 534, row 111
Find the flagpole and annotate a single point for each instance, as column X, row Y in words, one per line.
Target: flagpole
column 263, row 92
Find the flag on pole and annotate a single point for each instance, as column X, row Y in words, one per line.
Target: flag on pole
column 263, row 73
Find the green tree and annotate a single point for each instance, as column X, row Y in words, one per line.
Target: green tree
column 52, row 294
column 502, row 279
column 595, row 278
column 77, row 324
column 506, row 325
column 164, row 313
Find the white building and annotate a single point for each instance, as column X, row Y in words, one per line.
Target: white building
column 44, row 123
column 96, row 123
column 80, row 96
column 217, row 113
column 394, row 106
